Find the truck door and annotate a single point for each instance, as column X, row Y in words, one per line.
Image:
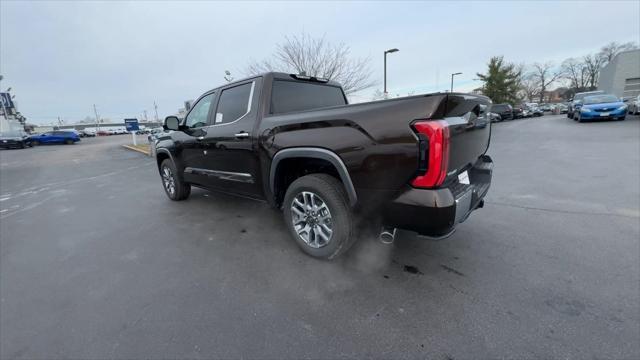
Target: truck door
column 190, row 141
column 232, row 158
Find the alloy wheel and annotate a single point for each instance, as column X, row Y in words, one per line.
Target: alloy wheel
column 311, row 219
column 168, row 181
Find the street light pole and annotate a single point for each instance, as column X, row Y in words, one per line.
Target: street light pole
column 156, row 109
column 97, row 119
column 452, row 75
column 385, row 68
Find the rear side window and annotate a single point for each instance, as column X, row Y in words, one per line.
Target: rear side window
column 289, row 96
column 234, row 103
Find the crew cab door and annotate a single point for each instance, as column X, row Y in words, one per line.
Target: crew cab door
column 191, row 142
column 231, row 158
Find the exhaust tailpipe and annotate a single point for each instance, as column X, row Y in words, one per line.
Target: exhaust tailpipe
column 387, row 235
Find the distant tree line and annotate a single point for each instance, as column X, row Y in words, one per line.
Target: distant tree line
column 512, row 83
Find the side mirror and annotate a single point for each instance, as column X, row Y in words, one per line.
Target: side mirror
column 171, row 123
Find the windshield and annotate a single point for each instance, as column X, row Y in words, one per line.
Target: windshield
column 579, row 96
column 600, row 99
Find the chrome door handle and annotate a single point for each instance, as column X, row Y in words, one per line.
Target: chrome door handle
column 242, row 135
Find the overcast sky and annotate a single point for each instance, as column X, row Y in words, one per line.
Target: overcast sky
column 62, row 57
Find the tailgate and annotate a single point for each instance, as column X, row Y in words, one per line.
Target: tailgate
column 469, row 130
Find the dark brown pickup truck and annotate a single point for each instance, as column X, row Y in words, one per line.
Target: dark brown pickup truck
column 416, row 163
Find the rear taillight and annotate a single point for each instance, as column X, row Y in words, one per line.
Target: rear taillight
column 433, row 145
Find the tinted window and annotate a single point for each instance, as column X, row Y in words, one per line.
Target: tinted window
column 199, row 113
column 288, row 96
column 233, row 104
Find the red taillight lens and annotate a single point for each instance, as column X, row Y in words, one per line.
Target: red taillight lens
column 437, row 134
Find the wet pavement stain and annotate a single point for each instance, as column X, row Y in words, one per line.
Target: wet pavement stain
column 412, row 270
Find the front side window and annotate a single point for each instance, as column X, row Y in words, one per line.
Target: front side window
column 234, row 103
column 198, row 115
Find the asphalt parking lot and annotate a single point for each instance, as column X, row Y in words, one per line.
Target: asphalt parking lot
column 96, row 262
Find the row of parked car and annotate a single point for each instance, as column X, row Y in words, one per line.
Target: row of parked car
column 20, row 139
column 502, row 112
column 104, row 132
column 584, row 106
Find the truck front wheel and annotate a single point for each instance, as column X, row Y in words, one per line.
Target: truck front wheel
column 318, row 216
column 175, row 188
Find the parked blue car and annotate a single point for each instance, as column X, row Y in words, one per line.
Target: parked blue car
column 601, row 107
column 55, row 137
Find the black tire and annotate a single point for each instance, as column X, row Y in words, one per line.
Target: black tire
column 181, row 191
column 22, row 146
column 623, row 118
column 332, row 193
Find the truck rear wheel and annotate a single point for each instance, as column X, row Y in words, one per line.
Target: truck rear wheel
column 318, row 216
column 175, row 188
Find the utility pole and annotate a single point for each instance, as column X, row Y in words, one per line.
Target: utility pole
column 97, row 118
column 145, row 115
column 155, row 106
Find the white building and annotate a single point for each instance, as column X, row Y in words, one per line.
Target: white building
column 621, row 76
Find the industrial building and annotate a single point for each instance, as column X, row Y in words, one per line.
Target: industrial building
column 621, row 76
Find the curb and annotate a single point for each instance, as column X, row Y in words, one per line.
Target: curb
column 136, row 149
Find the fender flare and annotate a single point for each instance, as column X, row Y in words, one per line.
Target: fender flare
column 165, row 151
column 318, row 153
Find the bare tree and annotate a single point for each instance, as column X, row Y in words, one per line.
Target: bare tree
column 609, row 51
column 545, row 74
column 593, row 63
column 529, row 87
column 317, row 57
column 575, row 71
